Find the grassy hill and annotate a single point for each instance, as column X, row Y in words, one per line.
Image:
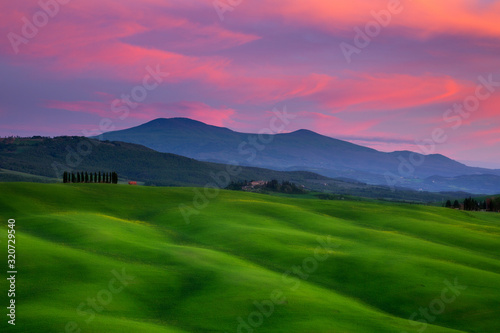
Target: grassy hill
column 331, row 266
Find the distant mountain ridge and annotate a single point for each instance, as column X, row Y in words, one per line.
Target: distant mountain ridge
column 39, row 159
column 298, row 150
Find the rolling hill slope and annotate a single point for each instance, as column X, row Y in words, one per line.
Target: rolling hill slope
column 330, row 266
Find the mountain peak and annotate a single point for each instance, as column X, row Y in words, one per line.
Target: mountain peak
column 175, row 120
column 304, row 132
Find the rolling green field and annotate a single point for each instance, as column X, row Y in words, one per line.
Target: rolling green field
column 115, row 258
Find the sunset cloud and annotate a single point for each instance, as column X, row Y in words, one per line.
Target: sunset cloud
column 427, row 58
column 145, row 111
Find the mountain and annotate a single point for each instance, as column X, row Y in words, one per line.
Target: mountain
column 299, row 150
column 40, row 159
column 49, row 158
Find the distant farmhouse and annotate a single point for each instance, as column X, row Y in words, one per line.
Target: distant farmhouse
column 253, row 184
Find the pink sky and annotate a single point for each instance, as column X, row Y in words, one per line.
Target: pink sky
column 414, row 64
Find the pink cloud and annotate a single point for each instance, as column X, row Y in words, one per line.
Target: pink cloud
column 110, row 42
column 353, row 92
column 70, row 45
column 73, row 48
column 146, row 112
column 420, row 19
column 91, row 107
column 361, row 92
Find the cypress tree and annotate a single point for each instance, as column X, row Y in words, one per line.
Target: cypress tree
column 73, row 178
column 99, row 177
column 95, row 177
column 78, row 177
column 495, row 204
column 86, row 177
column 65, row 177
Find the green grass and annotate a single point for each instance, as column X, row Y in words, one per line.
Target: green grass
column 385, row 262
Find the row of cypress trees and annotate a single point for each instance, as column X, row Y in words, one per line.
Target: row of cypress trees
column 86, row 177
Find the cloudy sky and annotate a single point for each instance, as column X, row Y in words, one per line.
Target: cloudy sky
column 376, row 73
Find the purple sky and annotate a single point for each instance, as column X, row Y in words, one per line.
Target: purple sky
column 389, row 88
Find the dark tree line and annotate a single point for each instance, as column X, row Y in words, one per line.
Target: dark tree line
column 455, row 204
column 283, row 187
column 272, row 185
column 493, row 204
column 237, row 185
column 86, row 177
column 471, row 204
